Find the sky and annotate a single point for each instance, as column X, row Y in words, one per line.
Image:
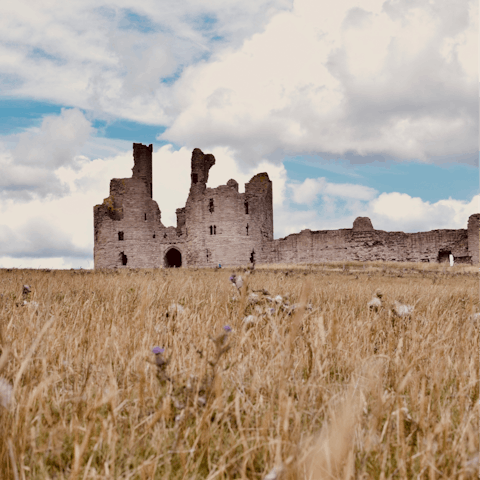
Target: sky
column 353, row 108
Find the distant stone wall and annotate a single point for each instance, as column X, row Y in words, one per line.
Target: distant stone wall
column 222, row 226
column 349, row 244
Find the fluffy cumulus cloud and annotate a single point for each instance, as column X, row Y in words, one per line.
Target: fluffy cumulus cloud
column 399, row 211
column 396, row 78
column 375, row 77
column 311, row 188
column 117, row 58
column 29, row 169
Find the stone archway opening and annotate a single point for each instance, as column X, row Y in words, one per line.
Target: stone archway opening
column 444, row 256
column 173, row 258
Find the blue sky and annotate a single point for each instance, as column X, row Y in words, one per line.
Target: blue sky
column 364, row 108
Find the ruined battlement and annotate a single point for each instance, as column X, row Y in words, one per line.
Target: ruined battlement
column 223, row 226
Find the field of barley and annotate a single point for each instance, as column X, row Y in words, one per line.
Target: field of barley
column 286, row 373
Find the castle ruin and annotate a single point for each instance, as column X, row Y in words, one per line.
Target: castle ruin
column 222, row 226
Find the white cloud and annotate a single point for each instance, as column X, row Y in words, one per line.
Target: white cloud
column 29, row 169
column 339, row 79
column 308, row 191
column 399, row 211
column 112, row 57
column 391, row 78
column 56, row 143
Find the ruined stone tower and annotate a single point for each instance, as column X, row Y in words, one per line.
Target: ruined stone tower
column 222, row 226
column 216, row 226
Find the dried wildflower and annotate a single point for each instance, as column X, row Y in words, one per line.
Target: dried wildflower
column 274, row 473
column 161, row 363
column 227, row 328
column 374, row 304
column 402, row 310
column 237, row 281
column 250, row 320
column 26, row 290
column 253, row 298
column 5, row 393
column 278, row 299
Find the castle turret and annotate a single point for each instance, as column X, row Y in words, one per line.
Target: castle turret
column 142, row 168
column 473, row 237
column 201, row 164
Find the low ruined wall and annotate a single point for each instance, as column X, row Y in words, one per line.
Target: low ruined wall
column 347, row 244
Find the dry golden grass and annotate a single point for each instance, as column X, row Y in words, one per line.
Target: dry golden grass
column 331, row 391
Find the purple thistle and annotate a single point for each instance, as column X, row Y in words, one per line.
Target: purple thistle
column 157, row 350
column 232, row 278
column 227, row 328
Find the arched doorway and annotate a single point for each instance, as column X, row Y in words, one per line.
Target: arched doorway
column 444, row 256
column 173, row 258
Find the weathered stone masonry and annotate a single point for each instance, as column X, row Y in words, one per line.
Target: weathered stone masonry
column 222, row 226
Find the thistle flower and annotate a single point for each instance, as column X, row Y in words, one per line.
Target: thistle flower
column 157, row 350
column 227, row 328
column 237, row 281
column 402, row 310
column 250, row 320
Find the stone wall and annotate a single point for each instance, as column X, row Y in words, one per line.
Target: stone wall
column 370, row 245
column 222, row 226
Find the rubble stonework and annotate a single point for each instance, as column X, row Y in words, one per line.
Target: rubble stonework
column 222, row 226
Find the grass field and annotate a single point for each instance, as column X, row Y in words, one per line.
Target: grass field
column 329, row 389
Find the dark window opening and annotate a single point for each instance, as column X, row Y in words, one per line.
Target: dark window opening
column 247, row 228
column 164, row 235
column 120, row 235
column 123, row 258
column 208, row 255
column 194, row 177
column 444, row 256
column 246, row 207
column 211, row 208
column 211, row 230
column 214, row 229
column 173, row 258
column 252, row 257
column 153, row 234
column 145, row 217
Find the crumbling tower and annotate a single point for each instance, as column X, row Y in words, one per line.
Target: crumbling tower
column 473, row 237
column 201, row 165
column 142, row 168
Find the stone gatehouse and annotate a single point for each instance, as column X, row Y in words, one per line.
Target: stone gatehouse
column 222, row 226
